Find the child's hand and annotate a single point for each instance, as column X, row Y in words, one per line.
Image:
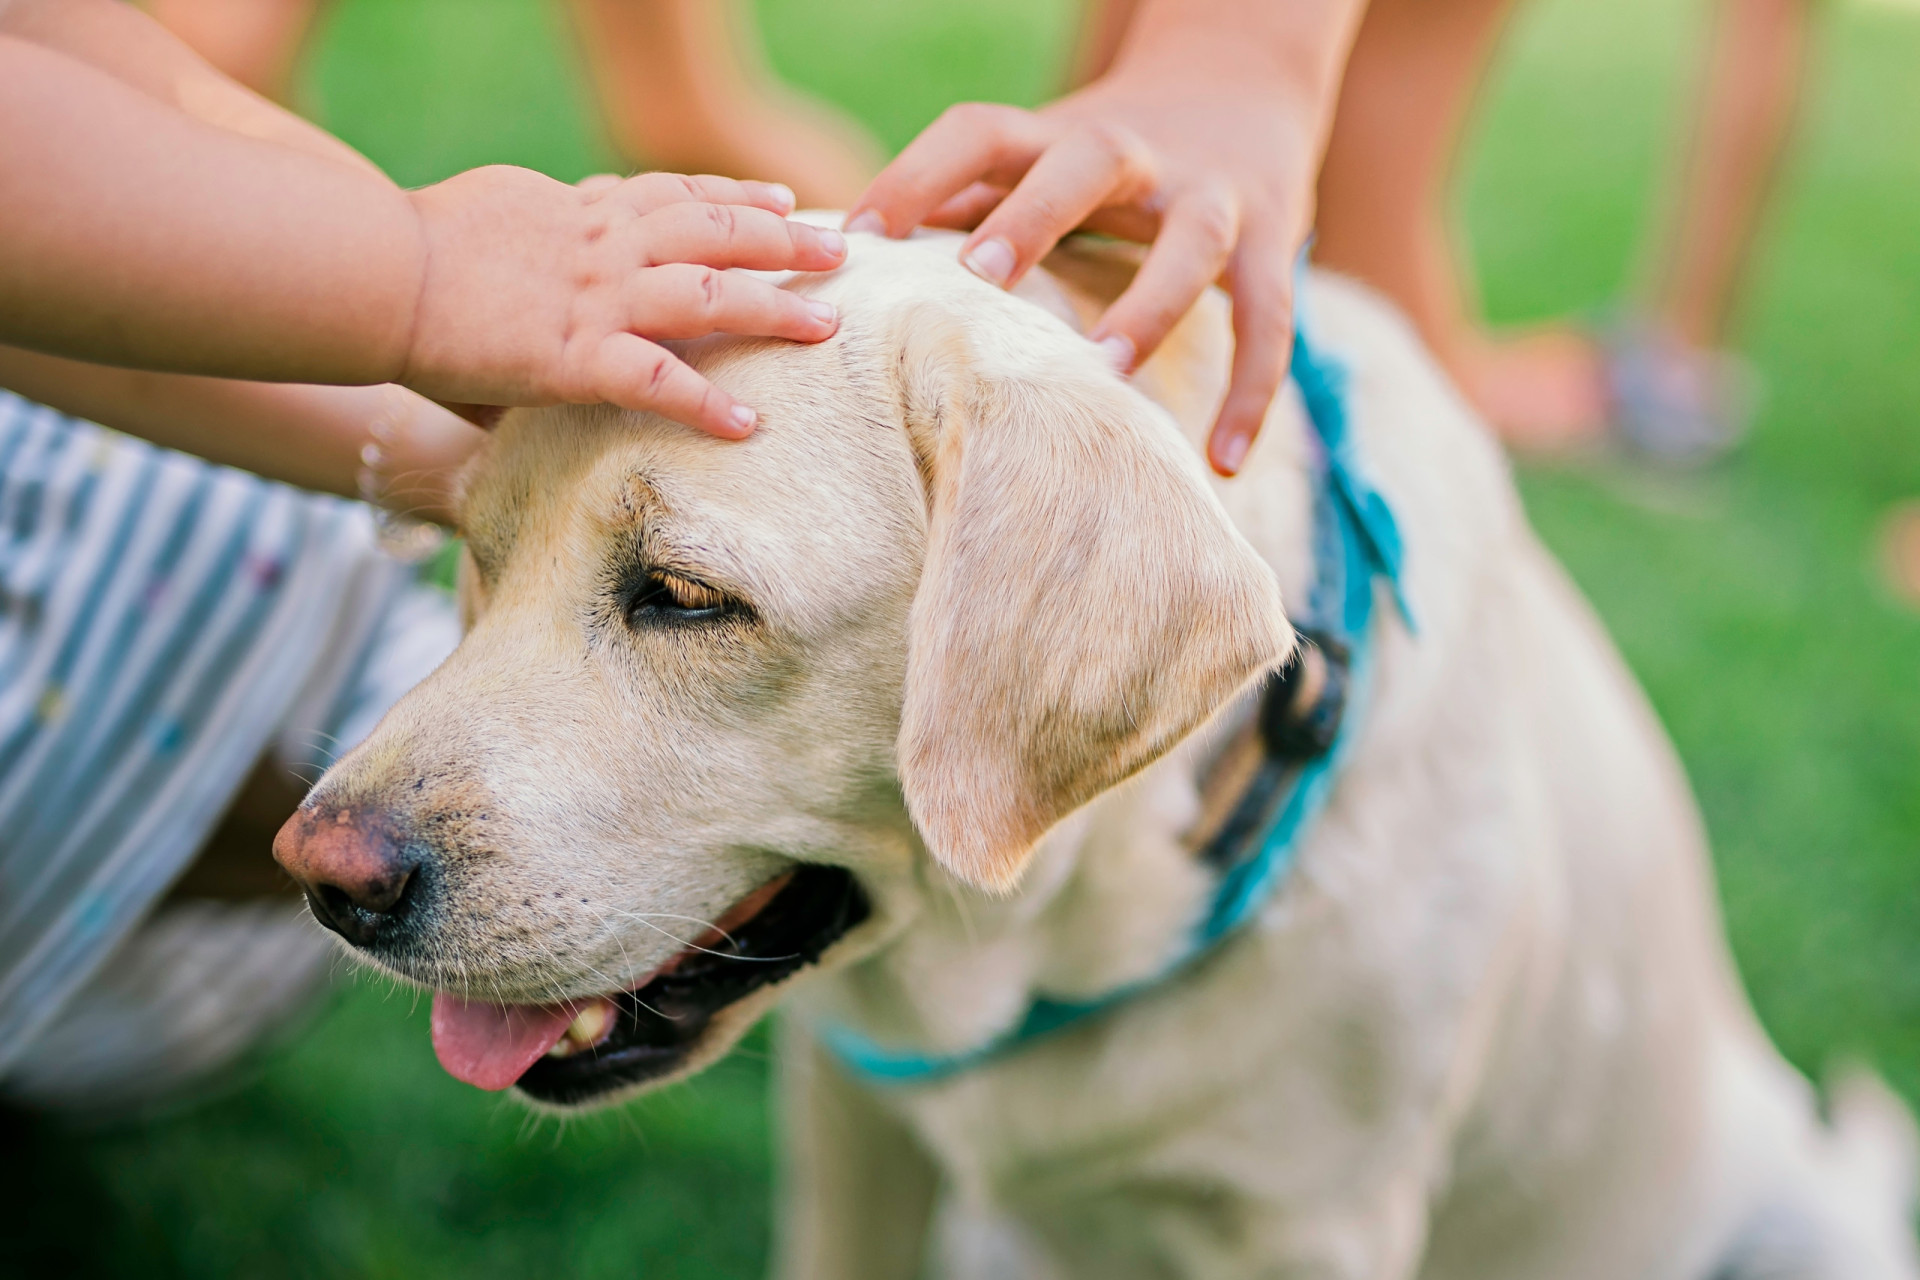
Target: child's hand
column 537, row 292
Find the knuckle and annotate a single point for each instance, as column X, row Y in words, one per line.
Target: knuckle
column 1031, row 216
column 1215, row 220
column 1126, row 150
column 647, row 191
column 712, row 285
column 1105, row 136
column 1260, row 313
column 968, row 117
column 659, row 372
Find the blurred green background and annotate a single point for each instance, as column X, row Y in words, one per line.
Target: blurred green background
column 1746, row 600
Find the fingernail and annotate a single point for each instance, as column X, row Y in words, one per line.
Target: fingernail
column 742, row 418
column 992, row 261
column 867, row 224
column 822, row 311
column 1233, row 452
column 782, row 195
column 1119, row 353
column 833, row 242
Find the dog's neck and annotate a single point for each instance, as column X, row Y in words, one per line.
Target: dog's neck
column 1112, row 894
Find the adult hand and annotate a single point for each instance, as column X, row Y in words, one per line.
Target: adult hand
column 537, row 292
column 1207, row 154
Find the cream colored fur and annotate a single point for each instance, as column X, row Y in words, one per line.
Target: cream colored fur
column 1489, row 1027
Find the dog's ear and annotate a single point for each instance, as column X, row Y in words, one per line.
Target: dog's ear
column 1085, row 602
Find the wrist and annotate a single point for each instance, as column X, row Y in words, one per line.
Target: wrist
column 479, row 237
column 1294, row 52
column 408, row 365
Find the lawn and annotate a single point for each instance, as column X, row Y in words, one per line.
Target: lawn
column 1745, row 599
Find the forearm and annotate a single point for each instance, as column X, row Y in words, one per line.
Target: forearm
column 116, row 38
column 303, row 435
column 1299, row 47
column 137, row 236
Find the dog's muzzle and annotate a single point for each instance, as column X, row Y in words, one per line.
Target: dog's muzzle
column 357, row 867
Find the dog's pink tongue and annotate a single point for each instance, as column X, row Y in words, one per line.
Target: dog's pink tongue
column 491, row 1045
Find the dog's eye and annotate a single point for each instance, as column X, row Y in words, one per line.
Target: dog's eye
column 664, row 597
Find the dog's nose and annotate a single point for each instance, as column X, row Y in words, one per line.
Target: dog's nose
column 355, row 866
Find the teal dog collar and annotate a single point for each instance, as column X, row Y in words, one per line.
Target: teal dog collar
column 1356, row 542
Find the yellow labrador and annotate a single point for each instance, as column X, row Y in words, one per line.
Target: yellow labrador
column 902, row 711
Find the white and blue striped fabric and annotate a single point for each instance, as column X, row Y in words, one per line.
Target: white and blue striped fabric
column 160, row 621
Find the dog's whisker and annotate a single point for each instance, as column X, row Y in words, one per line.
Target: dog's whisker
column 724, row 955
column 648, row 917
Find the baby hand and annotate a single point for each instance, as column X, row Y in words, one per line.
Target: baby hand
column 536, row 292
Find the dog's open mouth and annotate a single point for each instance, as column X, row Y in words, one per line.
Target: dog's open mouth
column 577, row 1050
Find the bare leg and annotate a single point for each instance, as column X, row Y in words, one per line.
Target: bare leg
column 1383, row 198
column 1383, row 201
column 1744, row 118
column 685, row 86
column 257, row 42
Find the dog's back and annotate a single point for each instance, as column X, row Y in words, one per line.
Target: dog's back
column 1516, row 870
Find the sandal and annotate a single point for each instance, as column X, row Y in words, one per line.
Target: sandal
column 1671, row 404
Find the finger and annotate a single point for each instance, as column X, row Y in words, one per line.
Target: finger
column 1090, row 167
column 683, row 301
column 725, row 236
column 636, row 374
column 647, row 192
column 1261, row 279
column 1194, row 245
column 598, row 183
column 965, row 211
column 968, row 143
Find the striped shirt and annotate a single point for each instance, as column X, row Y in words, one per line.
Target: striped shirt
column 160, row 618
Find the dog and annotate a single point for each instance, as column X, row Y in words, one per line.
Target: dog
column 905, row 712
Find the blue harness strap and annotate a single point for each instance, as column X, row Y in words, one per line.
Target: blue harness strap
column 1356, row 541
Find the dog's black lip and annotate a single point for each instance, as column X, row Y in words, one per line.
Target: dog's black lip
column 658, row 1026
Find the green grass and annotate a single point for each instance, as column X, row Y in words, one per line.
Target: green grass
column 1745, row 600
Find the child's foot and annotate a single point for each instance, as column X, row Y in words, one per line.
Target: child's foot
column 1676, row 404
column 1543, row 392
column 1558, row 390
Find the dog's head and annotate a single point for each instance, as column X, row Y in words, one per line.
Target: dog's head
column 721, row 703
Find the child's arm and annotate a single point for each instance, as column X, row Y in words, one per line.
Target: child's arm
column 131, row 234
column 135, row 235
column 310, row 436
column 115, row 37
